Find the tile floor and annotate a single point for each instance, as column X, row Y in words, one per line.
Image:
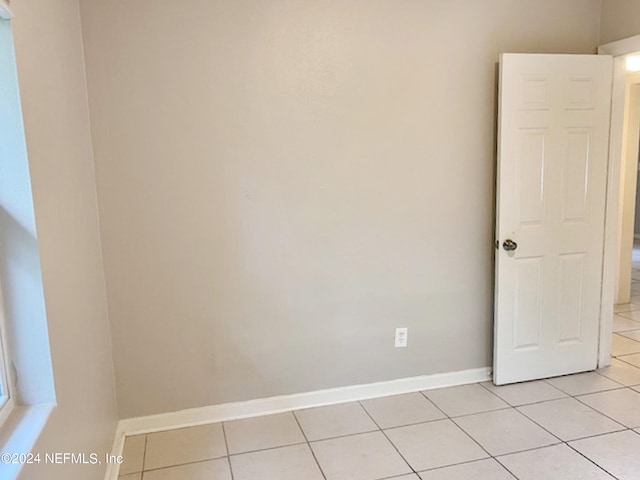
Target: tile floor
column 581, row 427
column 577, row 427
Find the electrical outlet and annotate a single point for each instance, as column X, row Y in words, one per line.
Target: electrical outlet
column 401, row 337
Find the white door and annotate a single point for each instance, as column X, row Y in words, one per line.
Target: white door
column 553, row 141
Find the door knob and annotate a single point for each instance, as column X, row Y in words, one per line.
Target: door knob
column 509, row 245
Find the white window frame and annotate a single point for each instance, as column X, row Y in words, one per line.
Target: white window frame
column 5, row 11
column 20, row 423
column 7, row 397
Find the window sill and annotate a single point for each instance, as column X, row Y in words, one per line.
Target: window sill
column 19, row 434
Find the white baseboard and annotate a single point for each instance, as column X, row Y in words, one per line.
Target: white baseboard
column 284, row 403
column 113, row 469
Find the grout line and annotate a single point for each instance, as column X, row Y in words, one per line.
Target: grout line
column 621, row 358
column 344, row 435
column 622, row 385
column 226, row 446
column 620, row 333
column 144, row 455
column 560, row 441
column 505, row 467
column 413, row 470
column 446, row 417
column 580, row 438
column 195, row 462
column 395, row 427
column 617, row 381
column 394, row 477
column 313, row 454
column 524, row 450
column 588, row 459
column 623, row 429
column 495, row 457
column 458, row 426
column 573, row 395
column 622, row 314
column 452, row 419
column 579, row 399
column 266, row 449
column 457, row 464
column 472, row 439
column 494, row 393
column 511, row 405
column 434, row 404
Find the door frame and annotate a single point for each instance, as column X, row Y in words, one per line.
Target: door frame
column 628, row 186
column 619, row 51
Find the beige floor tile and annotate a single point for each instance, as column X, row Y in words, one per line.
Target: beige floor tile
column 365, row 456
column 133, row 454
column 625, row 307
column 505, row 431
column 568, row 419
column 623, row 345
column 262, row 432
column 210, row 470
column 558, row 462
column 621, row 372
column 400, row 410
column 295, row 462
column 434, row 444
column 617, row 453
column 131, row 476
column 632, row 334
column 623, row 406
column 465, row 400
column 624, row 321
column 334, row 421
column 631, row 359
column 487, row 469
column 524, row 393
column 583, row 383
column 186, row 445
column 411, row 476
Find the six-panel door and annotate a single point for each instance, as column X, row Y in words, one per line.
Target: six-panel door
column 552, row 175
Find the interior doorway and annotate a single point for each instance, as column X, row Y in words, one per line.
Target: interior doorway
column 626, row 320
column 628, row 186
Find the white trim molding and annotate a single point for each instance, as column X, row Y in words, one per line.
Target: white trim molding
column 5, row 11
column 625, row 46
column 285, row 403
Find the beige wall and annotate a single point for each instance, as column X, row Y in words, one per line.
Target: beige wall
column 53, row 88
column 282, row 183
column 620, row 19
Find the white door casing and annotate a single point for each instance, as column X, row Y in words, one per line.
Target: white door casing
column 553, row 128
